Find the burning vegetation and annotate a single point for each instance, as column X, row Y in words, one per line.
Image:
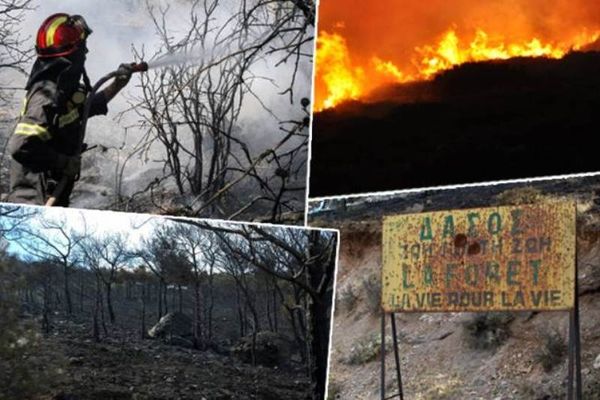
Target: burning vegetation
column 415, row 43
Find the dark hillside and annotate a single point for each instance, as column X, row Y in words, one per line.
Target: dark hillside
column 523, row 117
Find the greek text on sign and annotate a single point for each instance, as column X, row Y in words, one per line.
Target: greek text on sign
column 487, row 259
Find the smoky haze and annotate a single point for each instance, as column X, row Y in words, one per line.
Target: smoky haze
column 122, row 25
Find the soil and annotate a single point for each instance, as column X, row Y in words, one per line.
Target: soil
column 124, row 367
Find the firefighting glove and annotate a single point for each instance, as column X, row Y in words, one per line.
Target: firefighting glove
column 69, row 166
column 124, row 74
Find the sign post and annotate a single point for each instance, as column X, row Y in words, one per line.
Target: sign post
column 512, row 258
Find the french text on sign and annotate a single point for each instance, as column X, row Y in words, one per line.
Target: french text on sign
column 487, row 259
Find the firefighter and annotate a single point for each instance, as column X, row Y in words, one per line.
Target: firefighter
column 46, row 143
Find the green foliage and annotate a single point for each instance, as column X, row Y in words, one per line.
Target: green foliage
column 347, row 298
column 366, row 349
column 372, row 290
column 552, row 351
column 487, row 330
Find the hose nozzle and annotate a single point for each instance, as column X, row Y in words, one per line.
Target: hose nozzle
column 139, row 67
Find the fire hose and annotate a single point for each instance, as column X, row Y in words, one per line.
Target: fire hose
column 65, row 180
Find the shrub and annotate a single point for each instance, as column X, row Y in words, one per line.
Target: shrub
column 552, row 351
column 367, row 349
column 371, row 286
column 347, row 298
column 487, row 330
column 519, row 195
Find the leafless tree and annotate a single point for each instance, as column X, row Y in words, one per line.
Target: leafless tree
column 106, row 255
column 14, row 51
column 192, row 110
column 306, row 259
column 267, row 267
column 53, row 242
column 165, row 260
column 143, row 278
column 201, row 254
column 13, row 219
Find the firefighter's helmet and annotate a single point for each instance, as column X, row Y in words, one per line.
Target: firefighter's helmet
column 61, row 35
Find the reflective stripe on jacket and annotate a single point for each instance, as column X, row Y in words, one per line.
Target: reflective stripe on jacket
column 49, row 126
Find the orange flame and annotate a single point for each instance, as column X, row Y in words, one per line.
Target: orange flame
column 343, row 81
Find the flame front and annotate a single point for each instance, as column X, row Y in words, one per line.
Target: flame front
column 341, row 80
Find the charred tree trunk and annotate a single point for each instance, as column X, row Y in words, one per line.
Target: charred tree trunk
column 143, row 316
column 101, row 306
column 211, row 304
column 81, row 292
column 46, row 309
column 267, row 298
column 95, row 323
column 165, row 297
column 67, row 290
column 198, row 171
column 198, row 342
column 291, row 312
column 275, row 308
column 241, row 316
column 180, row 292
column 253, row 349
column 319, row 321
column 159, row 302
column 109, row 305
column 318, row 315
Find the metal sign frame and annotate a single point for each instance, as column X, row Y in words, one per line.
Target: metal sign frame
column 574, row 388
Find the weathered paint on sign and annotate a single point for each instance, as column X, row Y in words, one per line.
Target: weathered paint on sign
column 486, row 259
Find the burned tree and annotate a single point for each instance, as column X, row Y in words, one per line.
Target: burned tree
column 199, row 106
column 305, row 259
column 14, row 56
column 105, row 255
column 13, row 52
column 163, row 258
column 200, row 258
column 59, row 248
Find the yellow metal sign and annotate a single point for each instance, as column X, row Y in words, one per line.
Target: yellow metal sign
column 486, row 259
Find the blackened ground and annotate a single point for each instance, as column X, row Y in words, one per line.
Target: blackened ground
column 124, row 367
column 478, row 122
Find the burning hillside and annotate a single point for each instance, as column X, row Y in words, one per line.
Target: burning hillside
column 363, row 47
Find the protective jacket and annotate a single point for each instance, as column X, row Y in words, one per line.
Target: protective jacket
column 47, row 132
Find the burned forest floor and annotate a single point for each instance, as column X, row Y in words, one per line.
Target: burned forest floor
column 123, row 366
